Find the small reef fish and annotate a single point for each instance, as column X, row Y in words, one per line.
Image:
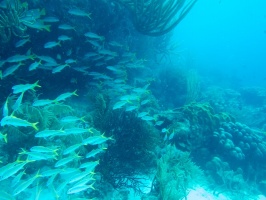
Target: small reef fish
column 35, row 65
column 3, row 136
column 90, row 55
column 142, row 114
column 2, row 62
column 42, row 149
column 64, row 38
column 115, row 44
column 89, row 165
column 144, row 102
column 49, row 133
column 17, row 178
column 172, row 135
column 69, row 170
column 119, row 104
column 35, row 13
column 4, row 195
column 51, row 172
column 78, row 12
column 81, row 188
column 47, row 59
column 19, row 58
column 38, row 24
column 85, row 180
column 94, row 152
column 18, row 102
column 71, row 119
column 5, row 108
column 51, row 180
column 106, row 52
column 165, row 130
column 72, row 148
column 131, row 97
column 60, row 68
column 22, row 42
column 116, row 70
column 6, row 167
column 80, row 175
column 131, row 108
column 64, row 96
column 96, row 140
column 50, row 19
column 43, row 102
column 61, row 187
column 70, row 61
column 34, row 156
column 17, row 122
column 51, row 44
column 94, row 36
column 66, row 160
column 10, row 70
column 76, row 131
column 148, row 118
column 12, row 170
column 66, row 27
column 159, row 123
column 24, row 87
column 24, row 185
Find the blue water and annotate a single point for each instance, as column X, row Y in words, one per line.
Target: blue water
column 227, row 38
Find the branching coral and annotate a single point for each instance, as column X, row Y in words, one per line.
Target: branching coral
column 157, row 17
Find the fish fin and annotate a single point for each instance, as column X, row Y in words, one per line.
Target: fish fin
column 5, row 137
column 47, row 28
column 43, row 12
column 75, row 93
column 37, row 84
column 34, row 126
column 83, row 119
column 89, row 15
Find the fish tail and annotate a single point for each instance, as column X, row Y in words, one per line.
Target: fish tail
column 47, row 28
column 38, row 174
column 5, row 138
column 32, row 57
column 37, row 84
column 21, row 63
column 23, row 152
column 43, row 12
column 89, row 15
column 75, row 93
column 34, row 125
column 83, row 119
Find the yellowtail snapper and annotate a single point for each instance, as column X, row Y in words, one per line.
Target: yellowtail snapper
column 17, row 122
column 24, row 87
column 78, row 12
column 66, row 95
column 24, row 185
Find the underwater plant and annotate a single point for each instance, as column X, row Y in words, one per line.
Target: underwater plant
column 15, row 18
column 204, row 114
column 10, row 20
column 176, row 173
column 132, row 152
column 157, row 17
